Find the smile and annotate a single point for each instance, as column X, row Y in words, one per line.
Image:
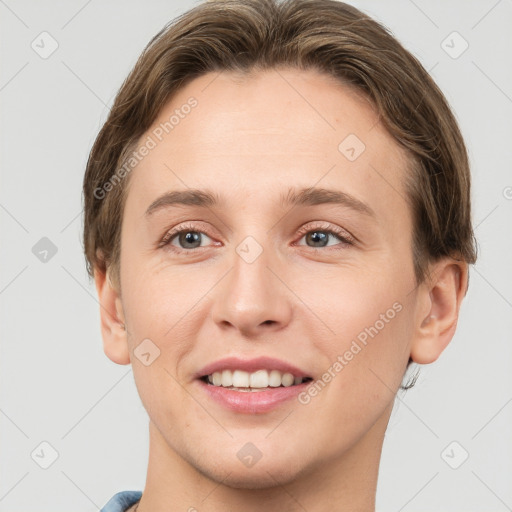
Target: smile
column 258, row 380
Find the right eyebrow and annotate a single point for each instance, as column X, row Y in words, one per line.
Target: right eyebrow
column 193, row 197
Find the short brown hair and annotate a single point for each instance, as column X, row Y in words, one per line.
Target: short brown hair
column 324, row 35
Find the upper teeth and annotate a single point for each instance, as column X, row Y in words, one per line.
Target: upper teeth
column 258, row 379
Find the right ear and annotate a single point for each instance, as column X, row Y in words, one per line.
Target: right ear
column 113, row 330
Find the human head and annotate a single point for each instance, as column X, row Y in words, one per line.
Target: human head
column 248, row 45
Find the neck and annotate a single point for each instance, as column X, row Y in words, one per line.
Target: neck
column 344, row 483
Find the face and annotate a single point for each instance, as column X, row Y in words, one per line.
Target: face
column 320, row 280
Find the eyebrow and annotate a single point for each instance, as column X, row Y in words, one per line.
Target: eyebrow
column 190, row 197
column 313, row 196
column 295, row 197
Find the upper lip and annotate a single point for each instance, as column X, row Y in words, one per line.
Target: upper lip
column 251, row 365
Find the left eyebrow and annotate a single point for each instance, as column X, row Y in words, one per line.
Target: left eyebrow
column 312, row 196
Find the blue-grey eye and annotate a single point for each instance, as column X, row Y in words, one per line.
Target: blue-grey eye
column 319, row 238
column 190, row 237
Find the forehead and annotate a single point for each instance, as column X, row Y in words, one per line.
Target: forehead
column 250, row 136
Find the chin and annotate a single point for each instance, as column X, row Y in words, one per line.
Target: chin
column 263, row 475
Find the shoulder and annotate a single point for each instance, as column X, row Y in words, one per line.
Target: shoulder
column 121, row 501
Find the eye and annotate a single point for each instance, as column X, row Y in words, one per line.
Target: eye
column 190, row 239
column 187, row 238
column 320, row 236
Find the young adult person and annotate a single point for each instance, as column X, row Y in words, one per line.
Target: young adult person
column 278, row 222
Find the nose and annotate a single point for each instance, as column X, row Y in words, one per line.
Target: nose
column 252, row 298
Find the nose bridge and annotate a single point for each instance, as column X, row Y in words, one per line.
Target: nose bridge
column 251, row 298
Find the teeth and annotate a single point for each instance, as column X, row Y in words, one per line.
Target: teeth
column 226, row 379
column 274, row 379
column 240, row 379
column 287, row 379
column 259, row 379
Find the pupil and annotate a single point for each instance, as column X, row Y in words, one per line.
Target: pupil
column 190, row 237
column 318, row 236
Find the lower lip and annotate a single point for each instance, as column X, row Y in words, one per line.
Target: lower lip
column 253, row 402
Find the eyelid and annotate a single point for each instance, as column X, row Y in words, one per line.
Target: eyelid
column 187, row 226
column 344, row 236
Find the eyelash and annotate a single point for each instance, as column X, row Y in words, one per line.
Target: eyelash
column 340, row 234
column 344, row 238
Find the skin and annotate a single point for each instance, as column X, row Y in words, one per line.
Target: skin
column 249, row 140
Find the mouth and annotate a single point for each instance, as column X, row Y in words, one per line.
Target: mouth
column 260, row 380
column 252, row 386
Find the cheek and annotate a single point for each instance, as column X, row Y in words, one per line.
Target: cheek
column 369, row 321
column 163, row 305
column 156, row 296
column 354, row 303
column 367, row 359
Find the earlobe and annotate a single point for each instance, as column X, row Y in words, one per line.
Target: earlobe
column 439, row 299
column 113, row 329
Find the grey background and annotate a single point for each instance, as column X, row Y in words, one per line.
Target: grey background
column 56, row 383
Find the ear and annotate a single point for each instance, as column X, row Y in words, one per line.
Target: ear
column 113, row 329
column 439, row 300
